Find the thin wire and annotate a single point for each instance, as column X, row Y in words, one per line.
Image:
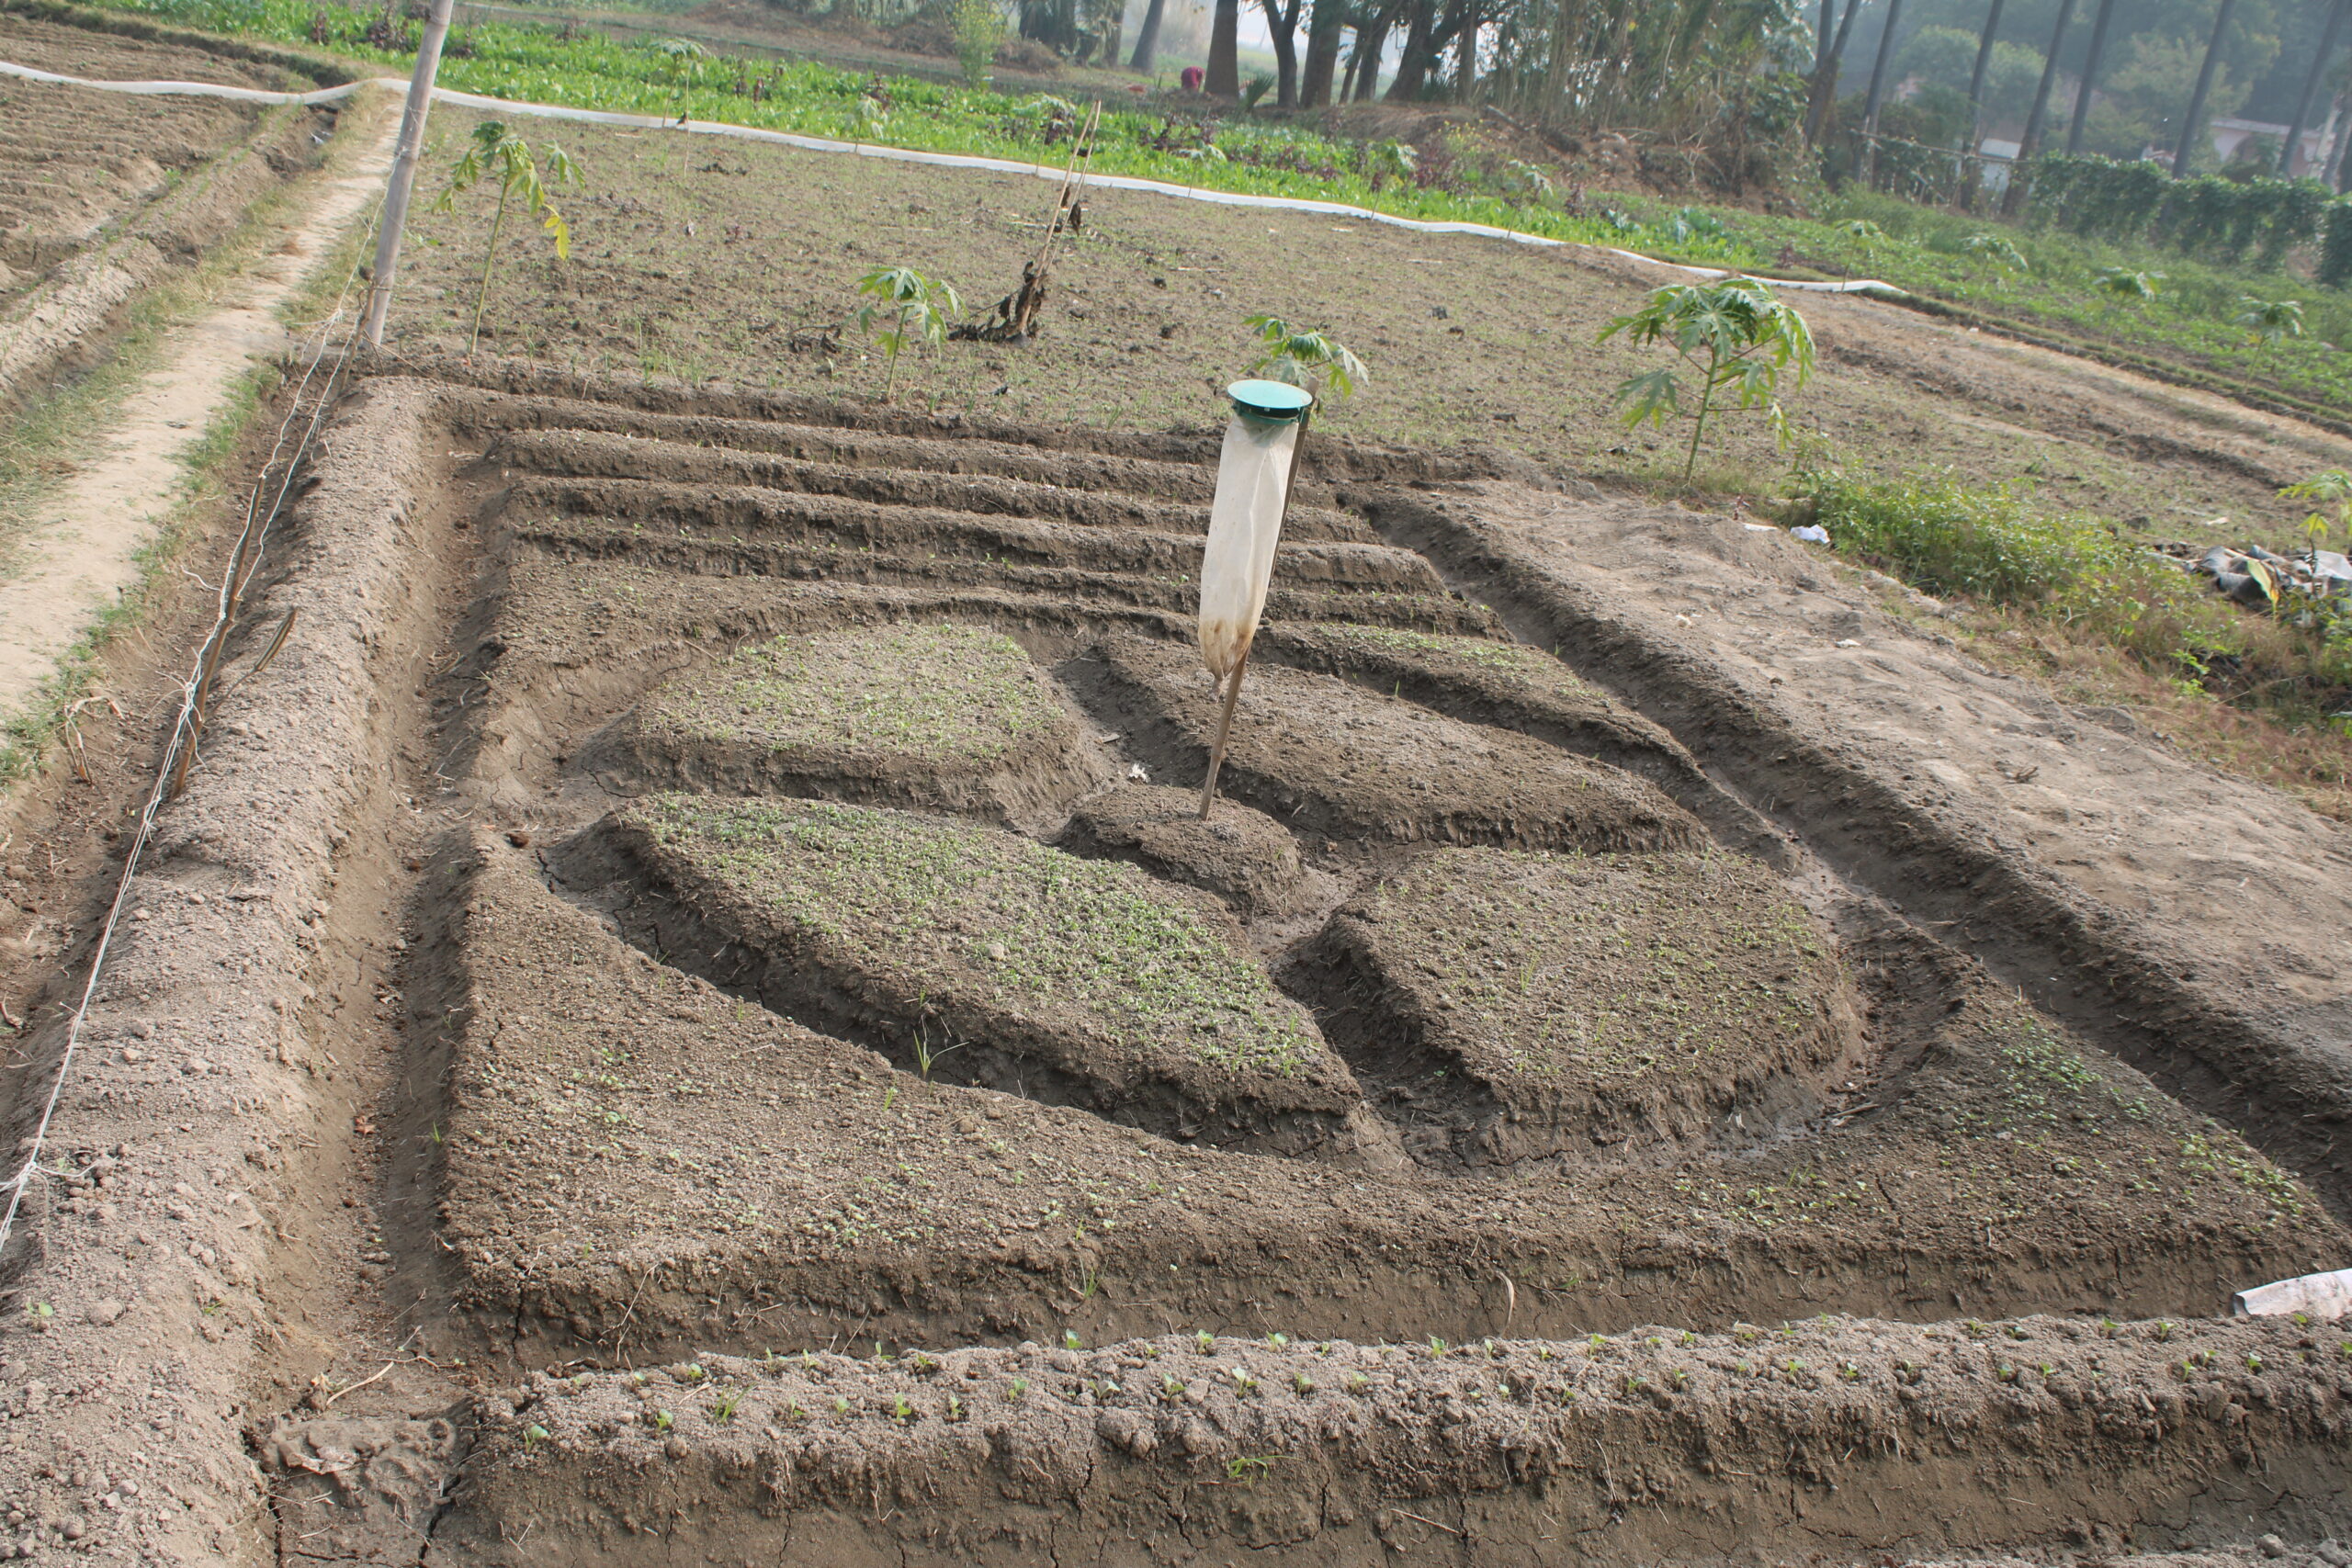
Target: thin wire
column 252, row 539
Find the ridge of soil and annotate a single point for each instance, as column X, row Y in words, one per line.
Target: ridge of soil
column 1525, row 1004
column 599, row 1163
column 939, row 716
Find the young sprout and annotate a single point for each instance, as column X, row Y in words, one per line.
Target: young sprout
column 497, row 151
column 1019, row 1387
column 1308, row 358
column 2269, row 320
column 906, row 308
column 1738, row 336
column 722, row 1409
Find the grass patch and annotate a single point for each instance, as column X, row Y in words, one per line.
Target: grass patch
column 1603, row 970
column 53, row 435
column 940, row 905
column 948, row 693
column 2106, row 621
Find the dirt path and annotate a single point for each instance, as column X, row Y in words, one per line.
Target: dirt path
column 86, row 555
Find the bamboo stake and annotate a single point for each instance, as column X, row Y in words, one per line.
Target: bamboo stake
column 1233, row 681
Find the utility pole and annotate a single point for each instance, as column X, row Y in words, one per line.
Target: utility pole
column 2204, row 88
column 403, row 179
column 2311, row 87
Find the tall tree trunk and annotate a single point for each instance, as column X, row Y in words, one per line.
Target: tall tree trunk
column 2015, row 196
column 2335, row 161
column 1324, row 25
column 1371, row 43
column 1413, row 65
column 1975, row 164
column 2186, row 146
column 2091, row 62
column 1824, row 77
column 1147, row 37
column 1878, row 91
column 2311, row 87
column 1282, row 32
column 1224, row 78
column 1466, row 62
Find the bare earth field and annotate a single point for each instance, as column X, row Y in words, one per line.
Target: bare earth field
column 688, row 1016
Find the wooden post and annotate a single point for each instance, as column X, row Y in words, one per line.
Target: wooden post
column 403, row 178
column 1233, row 681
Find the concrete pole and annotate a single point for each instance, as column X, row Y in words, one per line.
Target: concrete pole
column 403, row 179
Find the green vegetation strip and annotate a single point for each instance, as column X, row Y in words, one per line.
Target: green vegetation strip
column 672, row 78
column 941, row 693
column 1954, row 537
column 938, row 902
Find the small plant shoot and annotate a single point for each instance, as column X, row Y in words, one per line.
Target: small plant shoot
column 904, row 306
column 2268, row 321
column 1738, row 335
column 1307, row 357
column 496, row 153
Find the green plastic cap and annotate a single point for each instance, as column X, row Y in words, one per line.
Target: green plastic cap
column 1276, row 400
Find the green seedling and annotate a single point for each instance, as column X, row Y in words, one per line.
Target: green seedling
column 1308, row 358
column 2331, row 489
column 979, row 28
column 534, row 1435
column 497, row 152
column 723, row 1409
column 2268, row 322
column 1248, row 1469
column 2119, row 285
column 663, row 1421
column 1993, row 248
column 1019, row 1387
column 905, row 307
column 1738, row 336
column 1070, row 1340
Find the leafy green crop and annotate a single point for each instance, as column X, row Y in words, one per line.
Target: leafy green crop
column 497, row 152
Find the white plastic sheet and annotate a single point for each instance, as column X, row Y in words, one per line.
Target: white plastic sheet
column 2327, row 1296
column 1245, row 524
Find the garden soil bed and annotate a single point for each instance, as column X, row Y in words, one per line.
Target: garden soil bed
column 689, row 1014
column 670, row 1239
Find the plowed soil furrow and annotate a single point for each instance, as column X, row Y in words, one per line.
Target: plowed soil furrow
column 808, row 978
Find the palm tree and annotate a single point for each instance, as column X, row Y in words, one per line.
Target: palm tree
column 2195, row 122
column 1974, row 163
column 2091, row 77
column 2033, row 121
column 2311, row 87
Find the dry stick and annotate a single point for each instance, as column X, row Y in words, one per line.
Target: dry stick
column 1233, row 681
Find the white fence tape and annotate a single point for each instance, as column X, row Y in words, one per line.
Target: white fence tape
column 932, row 159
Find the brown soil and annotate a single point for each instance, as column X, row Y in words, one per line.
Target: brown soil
column 1328, row 757
column 1243, row 856
column 947, row 717
column 1513, row 1005
column 713, row 264
column 498, row 1156
column 630, row 1108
